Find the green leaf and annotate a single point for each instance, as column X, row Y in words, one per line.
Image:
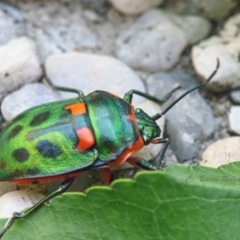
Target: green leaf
column 177, row 203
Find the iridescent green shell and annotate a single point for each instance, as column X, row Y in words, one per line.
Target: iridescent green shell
column 42, row 141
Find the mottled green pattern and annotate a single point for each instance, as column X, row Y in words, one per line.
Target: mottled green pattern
column 114, row 132
column 58, row 128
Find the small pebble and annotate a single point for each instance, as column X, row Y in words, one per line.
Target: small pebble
column 133, row 7
column 235, row 96
column 234, row 119
column 6, row 187
column 26, row 97
column 225, row 47
column 17, row 201
column 20, row 64
column 224, row 151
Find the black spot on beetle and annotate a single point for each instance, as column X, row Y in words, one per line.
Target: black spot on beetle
column 15, row 131
column 32, row 172
column 40, row 118
column 35, row 182
column 21, row 155
column 3, row 165
column 48, row 149
column 16, row 172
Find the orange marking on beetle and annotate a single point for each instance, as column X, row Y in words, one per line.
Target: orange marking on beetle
column 154, row 141
column 22, row 182
column 77, row 109
column 132, row 118
column 128, row 152
column 85, row 139
column 116, row 96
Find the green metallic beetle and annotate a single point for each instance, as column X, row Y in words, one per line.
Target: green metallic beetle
column 62, row 139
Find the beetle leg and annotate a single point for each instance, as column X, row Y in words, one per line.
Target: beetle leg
column 161, row 154
column 141, row 163
column 146, row 165
column 107, row 175
column 128, row 96
column 64, row 89
column 63, row 187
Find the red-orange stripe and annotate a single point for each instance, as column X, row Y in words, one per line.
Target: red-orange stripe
column 77, row 109
column 85, row 139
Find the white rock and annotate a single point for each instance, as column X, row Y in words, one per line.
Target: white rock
column 215, row 9
column 230, row 29
column 234, row 119
column 89, row 72
column 204, row 57
column 26, row 97
column 226, row 48
column 6, row 187
column 235, row 96
column 133, row 7
column 157, row 39
column 17, row 201
column 19, row 64
column 222, row 152
column 150, row 151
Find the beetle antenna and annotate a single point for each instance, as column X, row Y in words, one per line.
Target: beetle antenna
column 191, row 89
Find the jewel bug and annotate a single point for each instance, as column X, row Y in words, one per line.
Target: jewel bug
column 58, row 141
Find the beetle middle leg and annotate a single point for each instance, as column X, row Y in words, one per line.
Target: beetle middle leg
column 128, row 96
column 146, row 165
column 16, row 215
column 64, row 89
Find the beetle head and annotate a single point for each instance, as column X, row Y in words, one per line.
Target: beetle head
column 147, row 126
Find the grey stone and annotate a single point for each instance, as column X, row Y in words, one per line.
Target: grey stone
column 157, row 39
column 100, row 6
column 214, row 9
column 11, row 23
column 187, row 127
column 57, row 28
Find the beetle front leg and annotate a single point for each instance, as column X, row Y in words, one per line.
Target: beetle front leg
column 63, row 187
column 128, row 96
column 146, row 165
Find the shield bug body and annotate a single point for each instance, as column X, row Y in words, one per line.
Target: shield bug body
column 62, row 139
